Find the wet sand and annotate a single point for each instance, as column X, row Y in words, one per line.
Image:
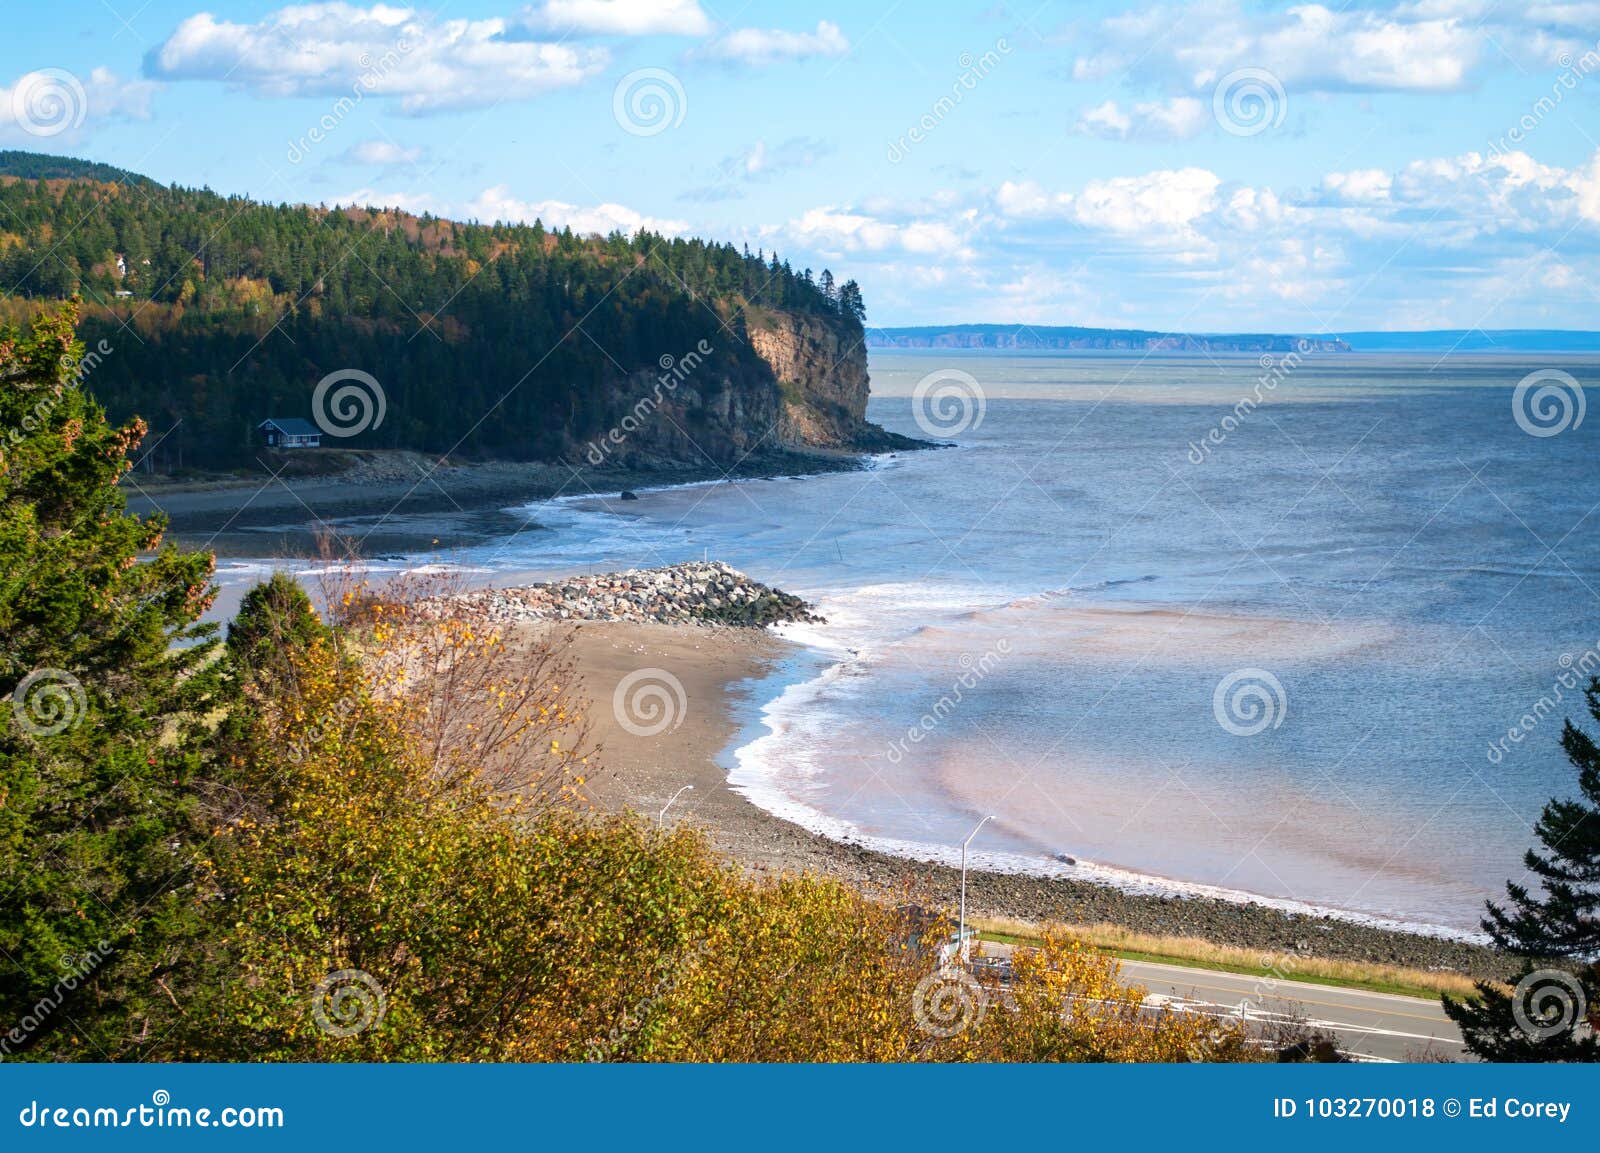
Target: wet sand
column 714, row 664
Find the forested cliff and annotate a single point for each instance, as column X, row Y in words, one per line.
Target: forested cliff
column 214, row 312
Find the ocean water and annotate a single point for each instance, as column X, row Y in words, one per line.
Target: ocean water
column 1272, row 650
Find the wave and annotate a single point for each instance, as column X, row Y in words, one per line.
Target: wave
column 757, row 765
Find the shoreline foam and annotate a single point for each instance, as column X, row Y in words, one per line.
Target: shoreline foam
column 748, row 776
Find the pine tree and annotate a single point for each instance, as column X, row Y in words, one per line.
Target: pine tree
column 1543, row 1017
column 104, row 666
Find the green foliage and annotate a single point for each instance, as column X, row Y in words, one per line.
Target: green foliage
column 103, row 663
column 488, row 339
column 275, row 620
column 358, row 842
column 1557, row 930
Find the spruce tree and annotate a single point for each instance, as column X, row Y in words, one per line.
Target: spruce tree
column 105, row 673
column 1551, row 1013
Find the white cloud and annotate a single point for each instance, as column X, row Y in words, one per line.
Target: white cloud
column 833, row 231
column 764, row 46
column 1178, row 118
column 1028, row 199
column 383, row 153
column 55, row 104
column 1162, row 203
column 346, row 51
column 415, row 202
column 758, row 164
column 1106, row 121
column 619, row 17
column 1308, row 47
column 497, row 203
column 1366, row 185
column 1497, row 240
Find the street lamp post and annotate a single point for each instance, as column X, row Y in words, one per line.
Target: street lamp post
column 961, row 925
column 661, row 820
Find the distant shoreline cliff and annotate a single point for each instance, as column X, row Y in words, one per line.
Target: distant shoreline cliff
column 1047, row 337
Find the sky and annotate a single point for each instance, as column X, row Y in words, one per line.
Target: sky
column 1213, row 166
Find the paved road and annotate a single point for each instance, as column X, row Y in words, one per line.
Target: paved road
column 1375, row 1026
column 1372, row 1025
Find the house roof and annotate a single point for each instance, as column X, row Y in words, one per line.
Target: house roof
column 291, row 426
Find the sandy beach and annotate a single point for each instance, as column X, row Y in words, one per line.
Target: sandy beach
column 714, row 664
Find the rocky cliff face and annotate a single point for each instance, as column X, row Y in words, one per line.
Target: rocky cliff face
column 806, row 387
column 822, row 381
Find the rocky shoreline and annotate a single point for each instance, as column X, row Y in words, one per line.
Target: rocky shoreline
column 397, row 502
column 640, row 616
column 1279, row 936
column 695, row 592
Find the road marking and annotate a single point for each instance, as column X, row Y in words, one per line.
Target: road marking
column 1440, row 1020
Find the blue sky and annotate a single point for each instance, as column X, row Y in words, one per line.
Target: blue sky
column 1214, row 166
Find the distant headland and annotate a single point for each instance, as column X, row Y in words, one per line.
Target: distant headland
column 1025, row 337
